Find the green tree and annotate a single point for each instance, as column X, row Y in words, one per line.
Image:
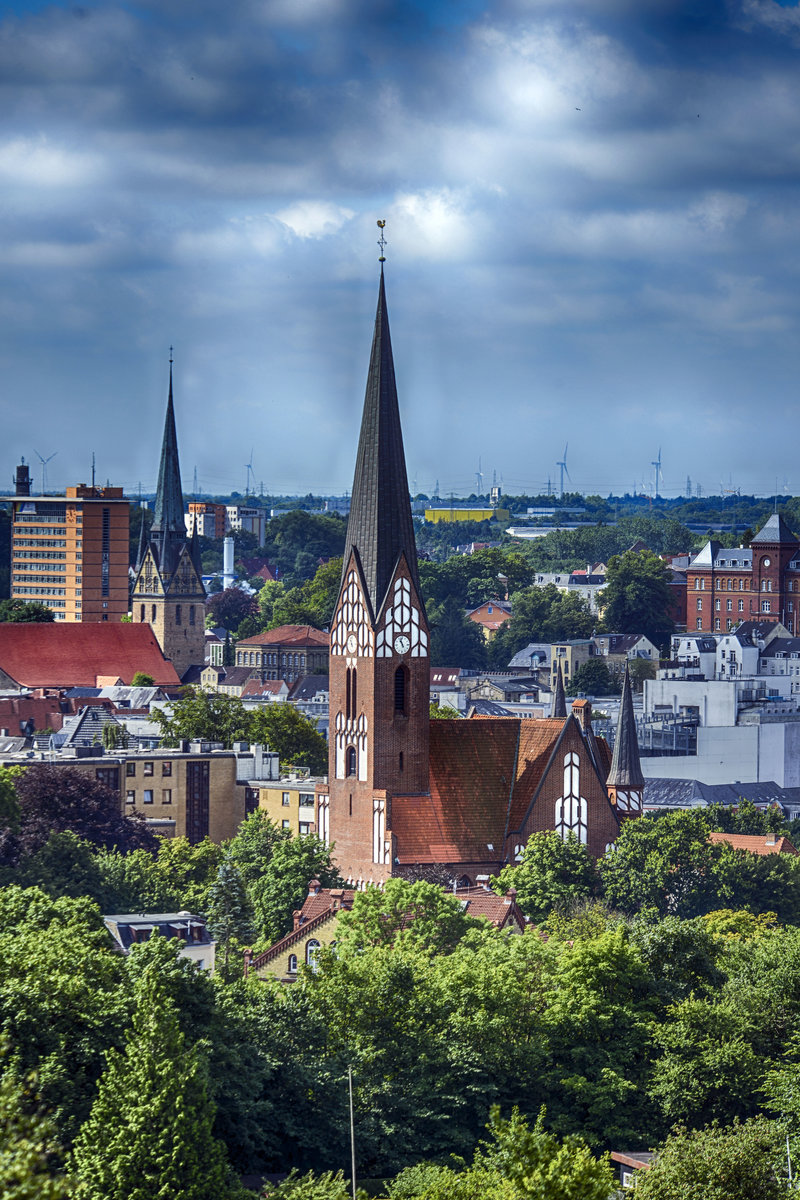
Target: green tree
column 230, row 914
column 205, row 716
column 552, row 874
column 268, row 597
column 421, row 914
column 29, row 1149
column 149, row 1133
column 520, row 1163
column 641, row 669
column 62, row 1003
column 541, row 614
column 708, row 1068
column 593, row 678
column 253, row 846
column 291, row 735
column 25, row 611
column 142, row 679
column 312, row 603
column 638, row 597
column 455, row 639
column 664, row 864
column 734, row 1162
column 283, row 884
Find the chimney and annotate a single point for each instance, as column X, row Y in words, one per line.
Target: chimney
column 248, row 958
column 314, row 887
column 772, row 838
column 337, row 899
column 511, row 896
column 296, row 915
column 582, row 712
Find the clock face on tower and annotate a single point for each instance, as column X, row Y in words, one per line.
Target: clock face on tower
column 402, row 645
column 766, row 562
column 352, row 643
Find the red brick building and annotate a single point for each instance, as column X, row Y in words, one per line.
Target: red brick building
column 758, row 583
column 403, row 792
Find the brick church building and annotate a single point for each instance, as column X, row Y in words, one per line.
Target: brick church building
column 756, row 583
column 405, row 793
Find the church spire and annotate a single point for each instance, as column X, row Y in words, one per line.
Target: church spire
column 626, row 770
column 559, row 699
column 168, row 521
column 380, row 527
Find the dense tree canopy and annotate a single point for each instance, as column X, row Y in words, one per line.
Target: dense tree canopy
column 638, row 597
column 25, row 611
column 215, row 717
column 540, row 614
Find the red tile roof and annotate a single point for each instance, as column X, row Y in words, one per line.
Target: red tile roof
column 287, row 635
column 497, row 910
column 755, row 844
column 263, row 687
column 482, row 777
column 76, row 655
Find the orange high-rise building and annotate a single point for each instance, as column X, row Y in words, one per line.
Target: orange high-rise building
column 71, row 552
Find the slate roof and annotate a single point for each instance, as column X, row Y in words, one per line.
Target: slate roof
column 380, row 526
column 754, row 845
column 482, row 776
column 666, row 792
column 66, row 654
column 296, row 636
column 774, row 532
column 308, row 686
column 784, row 646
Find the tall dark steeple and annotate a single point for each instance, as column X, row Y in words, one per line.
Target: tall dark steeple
column 625, row 781
column 379, row 682
column 559, row 699
column 168, row 592
column 380, row 527
column 168, row 525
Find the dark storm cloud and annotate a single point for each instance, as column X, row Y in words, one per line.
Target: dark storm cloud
column 591, row 206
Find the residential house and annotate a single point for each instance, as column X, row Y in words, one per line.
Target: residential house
column 130, row 929
column 618, row 649
column 570, row 656
column 314, row 925
column 491, row 616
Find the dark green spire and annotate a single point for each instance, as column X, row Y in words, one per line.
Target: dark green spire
column 559, row 699
column 380, row 526
column 169, row 494
column 626, row 769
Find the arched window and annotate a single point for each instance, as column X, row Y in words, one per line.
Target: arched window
column 292, row 964
column 177, row 614
column 152, row 612
column 400, row 690
column 351, row 760
column 312, row 950
column 141, row 617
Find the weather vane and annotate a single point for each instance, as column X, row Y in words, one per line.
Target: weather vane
column 170, row 355
column 382, row 240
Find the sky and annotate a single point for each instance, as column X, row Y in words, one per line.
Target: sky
column 592, row 224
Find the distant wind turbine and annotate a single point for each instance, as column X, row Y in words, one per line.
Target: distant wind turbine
column 562, row 466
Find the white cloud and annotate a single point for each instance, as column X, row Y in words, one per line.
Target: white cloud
column 314, row 218
column 43, row 162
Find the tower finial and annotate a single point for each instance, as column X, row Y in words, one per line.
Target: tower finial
column 382, row 241
column 170, row 356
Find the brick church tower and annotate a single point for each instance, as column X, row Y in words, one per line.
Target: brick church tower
column 379, row 666
column 168, row 591
column 773, row 547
